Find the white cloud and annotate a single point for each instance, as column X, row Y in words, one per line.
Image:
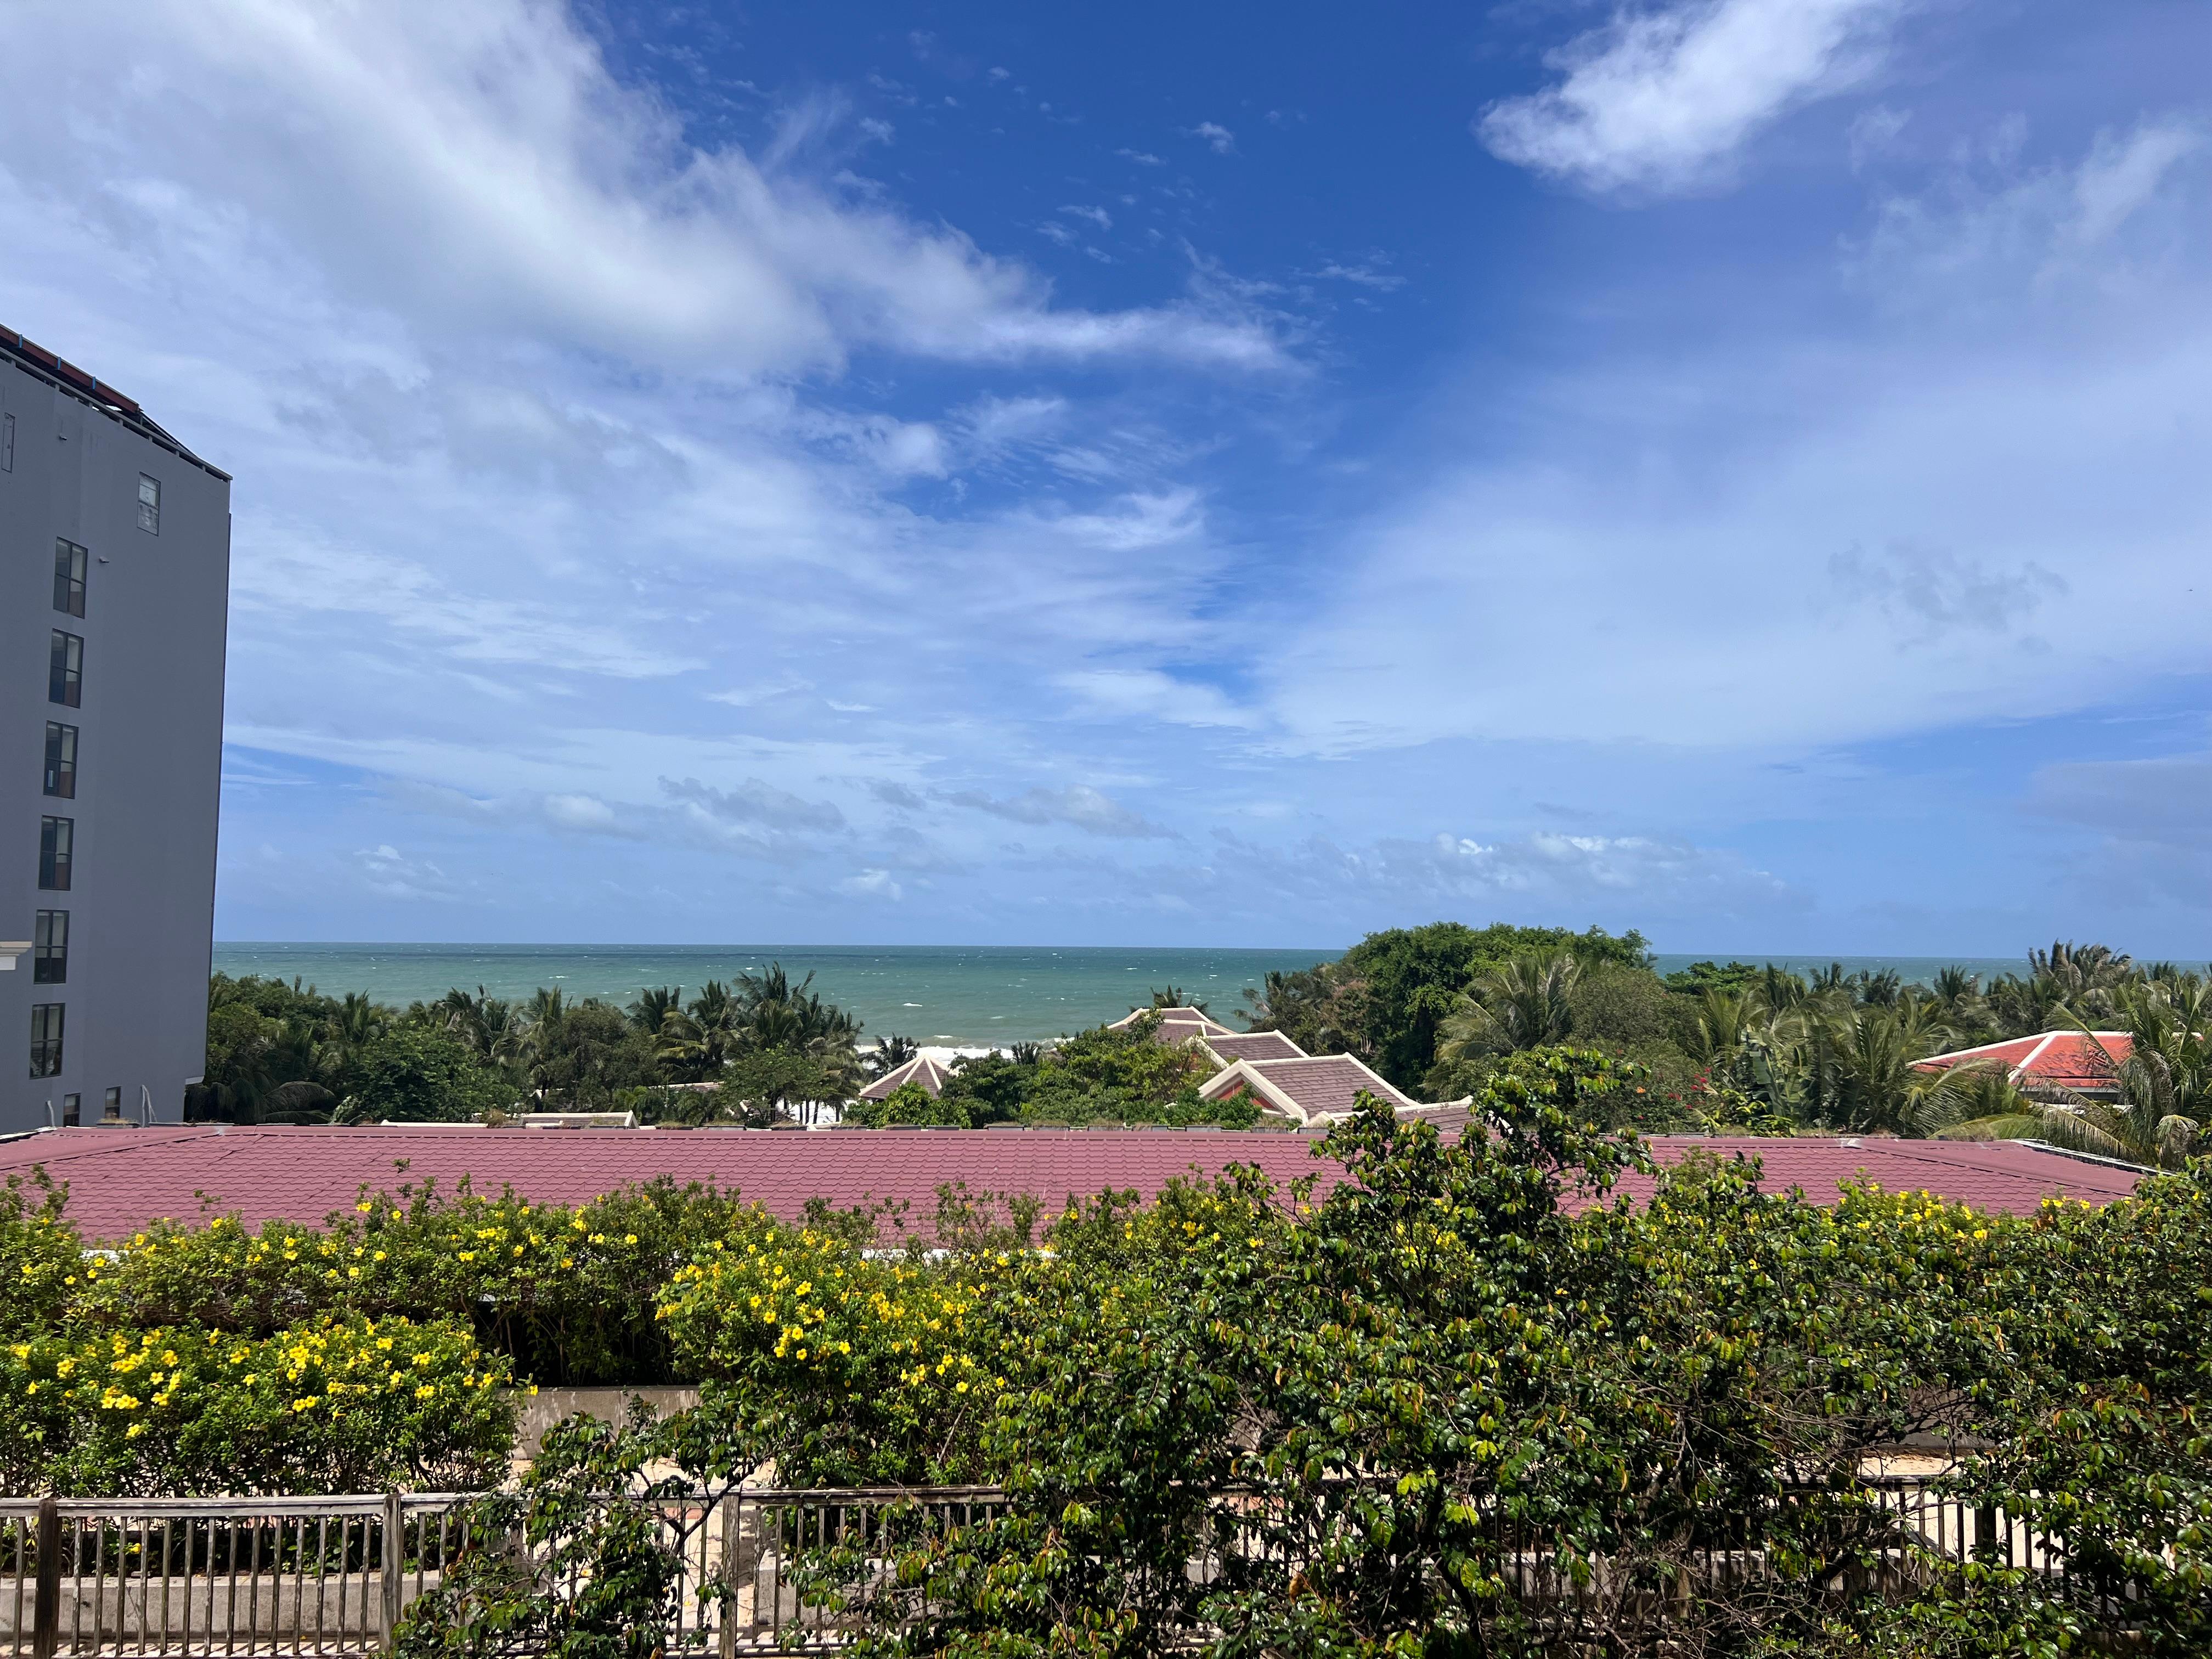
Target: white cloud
column 757, row 802
column 1664, row 98
column 2131, row 203
column 1217, row 137
column 1366, row 273
column 1079, row 807
column 1147, row 693
column 1953, row 515
column 872, row 884
column 1096, row 216
column 1142, row 158
column 560, row 201
column 389, row 873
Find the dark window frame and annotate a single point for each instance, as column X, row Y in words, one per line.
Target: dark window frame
column 72, row 1110
column 57, row 854
column 6, row 443
column 65, row 669
column 72, row 564
column 48, row 1021
column 60, row 774
column 149, row 503
column 49, row 947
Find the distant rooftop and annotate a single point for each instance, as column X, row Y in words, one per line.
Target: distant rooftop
column 2084, row 1062
column 1177, row 1024
column 928, row 1075
column 121, row 1179
column 81, row 384
column 1316, row 1089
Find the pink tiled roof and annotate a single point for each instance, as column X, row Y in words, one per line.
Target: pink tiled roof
column 1177, row 1024
column 922, row 1071
column 121, row 1179
column 2069, row 1059
column 1254, row 1045
column 1309, row 1086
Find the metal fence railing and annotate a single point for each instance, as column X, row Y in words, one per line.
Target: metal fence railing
column 180, row 1578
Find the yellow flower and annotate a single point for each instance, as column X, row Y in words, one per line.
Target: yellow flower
column 363, row 1207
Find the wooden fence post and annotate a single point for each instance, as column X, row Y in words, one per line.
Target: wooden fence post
column 46, row 1604
column 393, row 1556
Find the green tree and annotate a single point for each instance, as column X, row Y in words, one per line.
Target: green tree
column 419, row 1074
column 1388, row 998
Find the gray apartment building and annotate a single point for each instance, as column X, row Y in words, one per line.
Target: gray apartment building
column 115, row 594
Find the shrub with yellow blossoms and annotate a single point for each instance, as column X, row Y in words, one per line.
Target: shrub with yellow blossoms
column 336, row 1405
column 880, row 1367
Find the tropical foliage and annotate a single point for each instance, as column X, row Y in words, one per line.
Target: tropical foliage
column 746, row 1052
column 1741, row 1047
column 1374, row 1408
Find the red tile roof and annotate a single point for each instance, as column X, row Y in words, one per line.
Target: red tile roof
column 1306, row 1088
column 1254, row 1045
column 1177, row 1024
column 2071, row 1060
column 121, row 1179
column 925, row 1073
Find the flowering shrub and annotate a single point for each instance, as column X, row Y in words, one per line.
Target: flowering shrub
column 38, row 1254
column 565, row 1292
column 881, row 1367
column 339, row 1405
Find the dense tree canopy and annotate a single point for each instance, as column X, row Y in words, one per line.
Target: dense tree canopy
column 1378, row 1413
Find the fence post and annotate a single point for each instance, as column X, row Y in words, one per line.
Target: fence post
column 46, row 1604
column 727, row 1644
column 392, row 1558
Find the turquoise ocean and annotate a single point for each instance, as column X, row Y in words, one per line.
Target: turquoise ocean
column 938, row 994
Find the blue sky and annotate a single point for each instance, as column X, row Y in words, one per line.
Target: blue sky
column 1228, row 475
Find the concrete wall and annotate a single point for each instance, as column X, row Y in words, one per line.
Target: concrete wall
column 142, row 901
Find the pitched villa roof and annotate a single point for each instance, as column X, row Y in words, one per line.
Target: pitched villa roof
column 2068, row 1059
column 926, row 1074
column 1309, row 1089
column 1253, row 1045
column 120, row 1180
column 1177, row 1024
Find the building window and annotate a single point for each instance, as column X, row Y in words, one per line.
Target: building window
column 69, row 578
column 46, row 1039
column 111, row 1107
column 6, row 443
column 57, row 839
column 149, row 505
column 50, row 948
column 61, row 759
column 72, row 1110
column 65, row 671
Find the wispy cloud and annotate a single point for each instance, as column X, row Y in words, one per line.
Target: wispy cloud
column 1218, row 138
column 560, row 200
column 1079, row 807
column 1665, row 99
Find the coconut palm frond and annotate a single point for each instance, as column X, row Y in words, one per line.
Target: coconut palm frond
column 2014, row 1126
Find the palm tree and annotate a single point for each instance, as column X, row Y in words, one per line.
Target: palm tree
column 889, row 1055
column 1718, row 1024
column 1522, row 1005
column 1779, row 990
column 653, row 1006
column 2162, row 1091
column 487, row 1025
column 696, row 1041
column 1174, row 997
column 2068, row 984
